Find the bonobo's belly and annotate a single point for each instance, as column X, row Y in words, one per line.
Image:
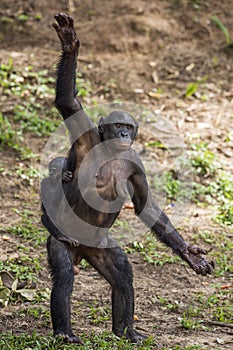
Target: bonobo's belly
column 97, row 196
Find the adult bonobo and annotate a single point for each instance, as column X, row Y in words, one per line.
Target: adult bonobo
column 105, row 169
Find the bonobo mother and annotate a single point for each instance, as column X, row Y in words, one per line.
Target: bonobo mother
column 110, row 170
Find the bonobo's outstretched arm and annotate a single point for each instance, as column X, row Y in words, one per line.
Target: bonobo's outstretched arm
column 153, row 217
column 80, row 125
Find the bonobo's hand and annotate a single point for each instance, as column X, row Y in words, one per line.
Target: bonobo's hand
column 193, row 257
column 66, row 32
column 67, row 176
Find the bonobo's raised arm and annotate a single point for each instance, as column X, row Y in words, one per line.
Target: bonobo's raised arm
column 66, row 78
column 80, row 126
column 154, row 218
column 66, row 101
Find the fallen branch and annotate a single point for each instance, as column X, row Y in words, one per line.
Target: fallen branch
column 219, row 324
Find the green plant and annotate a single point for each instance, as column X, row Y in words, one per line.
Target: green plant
column 193, row 87
column 224, row 30
column 23, row 268
column 152, row 251
column 9, row 137
column 202, row 159
column 189, row 320
column 168, row 303
column 28, row 228
column 98, row 314
column 103, row 341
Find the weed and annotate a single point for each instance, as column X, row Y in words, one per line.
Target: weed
column 152, row 251
column 23, row 268
column 169, row 305
column 28, row 228
column 193, row 87
column 202, row 159
column 103, row 341
column 222, row 191
column 217, row 306
column 189, row 320
column 224, row 30
column 98, row 314
column 29, row 174
column 30, row 88
column 9, row 137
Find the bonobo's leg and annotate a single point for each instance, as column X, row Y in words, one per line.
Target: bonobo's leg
column 61, row 264
column 113, row 265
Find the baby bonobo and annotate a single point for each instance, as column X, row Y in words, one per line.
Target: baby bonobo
column 105, row 169
column 51, row 190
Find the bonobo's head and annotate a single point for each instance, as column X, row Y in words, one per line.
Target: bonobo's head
column 56, row 167
column 120, row 127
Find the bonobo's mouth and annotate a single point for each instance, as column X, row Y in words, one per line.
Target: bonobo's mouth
column 123, row 143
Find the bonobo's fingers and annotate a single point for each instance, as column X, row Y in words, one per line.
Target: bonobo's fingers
column 76, row 270
column 197, row 262
column 66, row 32
column 197, row 250
column 67, row 176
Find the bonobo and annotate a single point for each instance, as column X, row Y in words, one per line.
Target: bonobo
column 105, row 170
column 51, row 191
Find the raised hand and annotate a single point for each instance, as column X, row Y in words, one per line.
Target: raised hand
column 199, row 264
column 66, row 33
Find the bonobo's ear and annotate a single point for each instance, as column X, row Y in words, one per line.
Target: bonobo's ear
column 135, row 130
column 101, row 125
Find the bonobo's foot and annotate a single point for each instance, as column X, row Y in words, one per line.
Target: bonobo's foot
column 193, row 257
column 71, row 339
column 132, row 335
column 66, row 32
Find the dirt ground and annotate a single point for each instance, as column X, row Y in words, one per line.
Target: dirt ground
column 145, row 52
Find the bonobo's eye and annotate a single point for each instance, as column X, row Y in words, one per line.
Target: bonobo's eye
column 52, row 172
column 117, row 125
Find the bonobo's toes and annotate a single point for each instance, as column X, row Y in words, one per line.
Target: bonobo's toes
column 71, row 339
column 132, row 335
column 137, row 337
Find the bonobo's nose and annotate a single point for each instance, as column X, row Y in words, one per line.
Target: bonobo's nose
column 124, row 134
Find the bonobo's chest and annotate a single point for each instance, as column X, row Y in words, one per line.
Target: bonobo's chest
column 111, row 178
column 102, row 178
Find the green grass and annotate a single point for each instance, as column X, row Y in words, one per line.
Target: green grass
column 99, row 314
column 223, row 29
column 104, row 341
column 152, row 251
column 23, row 268
column 31, row 93
column 29, row 229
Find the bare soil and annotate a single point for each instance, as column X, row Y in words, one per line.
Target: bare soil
column 145, row 52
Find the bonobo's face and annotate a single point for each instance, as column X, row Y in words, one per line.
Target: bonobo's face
column 55, row 168
column 120, row 128
column 54, row 174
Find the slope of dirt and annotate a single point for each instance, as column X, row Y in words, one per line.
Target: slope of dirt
column 147, row 53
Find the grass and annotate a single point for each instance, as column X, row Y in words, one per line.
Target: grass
column 99, row 314
column 223, row 29
column 28, row 113
column 152, row 251
column 102, row 341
